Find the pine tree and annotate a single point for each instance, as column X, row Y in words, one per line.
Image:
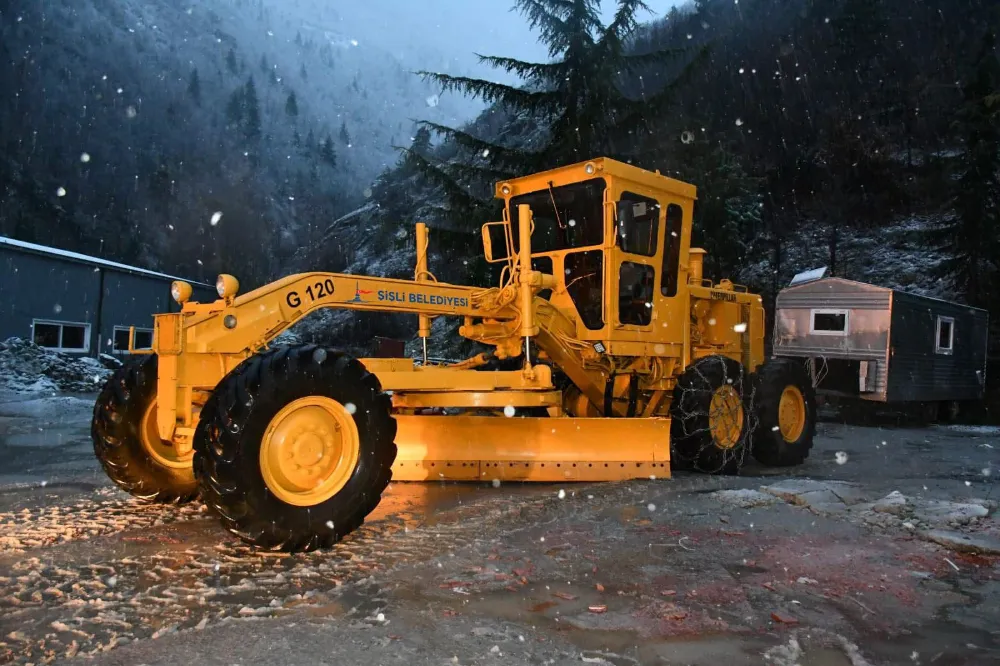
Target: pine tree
column 263, row 62
column 972, row 237
column 727, row 219
column 296, row 139
column 194, row 87
column 298, row 38
column 231, row 62
column 234, row 108
column 577, row 97
column 344, row 136
column 302, row 72
column 251, row 110
column 327, row 153
column 310, row 144
column 291, row 105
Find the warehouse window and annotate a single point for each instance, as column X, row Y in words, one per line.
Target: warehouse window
column 143, row 339
column 944, row 335
column 61, row 335
column 829, row 322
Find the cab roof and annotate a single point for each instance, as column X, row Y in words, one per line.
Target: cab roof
column 602, row 166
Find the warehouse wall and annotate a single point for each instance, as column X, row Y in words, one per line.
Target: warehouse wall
column 36, row 287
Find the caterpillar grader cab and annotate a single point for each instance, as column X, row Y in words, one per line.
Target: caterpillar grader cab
column 624, row 361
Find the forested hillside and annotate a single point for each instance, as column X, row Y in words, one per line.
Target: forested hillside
column 863, row 135
column 857, row 134
column 127, row 128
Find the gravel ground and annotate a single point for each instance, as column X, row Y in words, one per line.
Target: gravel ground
column 881, row 550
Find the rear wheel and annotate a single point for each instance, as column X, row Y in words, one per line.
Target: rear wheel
column 786, row 413
column 710, row 423
column 295, row 447
column 126, row 441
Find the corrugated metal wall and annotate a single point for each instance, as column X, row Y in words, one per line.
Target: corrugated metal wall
column 34, row 287
column 868, row 327
column 42, row 287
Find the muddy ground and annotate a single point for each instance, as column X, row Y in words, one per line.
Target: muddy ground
column 859, row 557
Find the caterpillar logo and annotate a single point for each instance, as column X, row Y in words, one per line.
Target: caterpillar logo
column 724, row 296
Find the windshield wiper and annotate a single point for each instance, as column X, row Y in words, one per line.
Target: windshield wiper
column 555, row 210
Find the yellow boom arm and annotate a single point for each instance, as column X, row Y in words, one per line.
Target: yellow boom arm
column 249, row 321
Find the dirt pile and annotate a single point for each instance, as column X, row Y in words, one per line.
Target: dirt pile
column 27, row 368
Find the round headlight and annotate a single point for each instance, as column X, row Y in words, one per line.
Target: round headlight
column 227, row 286
column 505, row 189
column 590, row 168
column 180, row 291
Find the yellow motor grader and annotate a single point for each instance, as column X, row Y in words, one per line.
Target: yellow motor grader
column 626, row 359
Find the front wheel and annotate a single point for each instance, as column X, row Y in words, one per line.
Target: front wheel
column 786, row 413
column 295, row 447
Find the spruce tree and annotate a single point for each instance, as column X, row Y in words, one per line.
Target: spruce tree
column 194, row 87
column 231, row 62
column 328, row 155
column 344, row 136
column 292, row 105
column 251, row 108
column 234, row 108
column 576, row 98
column 971, row 238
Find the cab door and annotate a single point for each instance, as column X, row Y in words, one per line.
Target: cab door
column 638, row 219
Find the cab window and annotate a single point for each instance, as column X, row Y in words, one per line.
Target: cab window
column 671, row 250
column 566, row 217
column 635, row 293
column 638, row 221
column 585, row 284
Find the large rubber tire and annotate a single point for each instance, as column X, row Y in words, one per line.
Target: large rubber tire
column 117, row 429
column 229, row 438
column 694, row 444
column 771, row 446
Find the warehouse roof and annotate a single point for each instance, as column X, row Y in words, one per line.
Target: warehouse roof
column 34, row 248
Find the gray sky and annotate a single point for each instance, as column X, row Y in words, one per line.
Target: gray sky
column 456, row 28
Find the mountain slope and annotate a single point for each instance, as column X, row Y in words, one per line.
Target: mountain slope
column 131, row 123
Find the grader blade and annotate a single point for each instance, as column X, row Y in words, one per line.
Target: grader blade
column 477, row 448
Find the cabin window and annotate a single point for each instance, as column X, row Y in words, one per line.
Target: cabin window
column 635, row 293
column 61, row 335
column 829, row 322
column 566, row 217
column 671, row 250
column 543, row 265
column 585, row 284
column 637, row 224
column 143, row 339
column 945, row 335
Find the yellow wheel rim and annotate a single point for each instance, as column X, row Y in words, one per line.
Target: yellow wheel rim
column 309, row 451
column 791, row 413
column 162, row 452
column 725, row 417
